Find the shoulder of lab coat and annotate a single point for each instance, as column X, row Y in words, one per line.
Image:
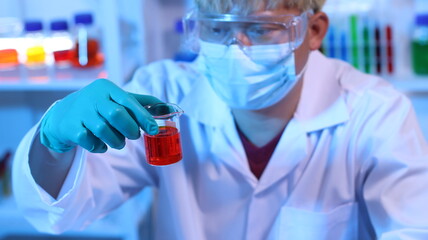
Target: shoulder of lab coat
column 167, row 80
column 391, row 148
column 394, row 157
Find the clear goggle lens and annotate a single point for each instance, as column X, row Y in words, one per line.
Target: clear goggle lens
column 227, row 29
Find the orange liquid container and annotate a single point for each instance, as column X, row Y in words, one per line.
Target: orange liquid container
column 92, row 54
column 163, row 148
column 87, row 51
column 8, row 58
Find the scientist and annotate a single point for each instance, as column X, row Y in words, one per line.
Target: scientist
column 279, row 142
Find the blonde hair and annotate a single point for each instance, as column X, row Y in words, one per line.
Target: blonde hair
column 248, row 6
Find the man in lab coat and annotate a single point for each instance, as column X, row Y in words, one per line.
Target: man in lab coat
column 279, row 142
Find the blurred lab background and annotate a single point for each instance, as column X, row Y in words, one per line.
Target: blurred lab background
column 44, row 56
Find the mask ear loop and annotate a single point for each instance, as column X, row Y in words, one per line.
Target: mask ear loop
column 302, row 72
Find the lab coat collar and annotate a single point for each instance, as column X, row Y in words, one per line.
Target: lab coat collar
column 202, row 103
column 292, row 150
column 321, row 104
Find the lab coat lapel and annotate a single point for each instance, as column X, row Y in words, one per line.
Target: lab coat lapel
column 290, row 151
column 228, row 148
column 321, row 106
column 216, row 115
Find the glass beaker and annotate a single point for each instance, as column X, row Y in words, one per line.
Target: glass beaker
column 164, row 148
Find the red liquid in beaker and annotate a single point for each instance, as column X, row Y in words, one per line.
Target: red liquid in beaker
column 163, row 148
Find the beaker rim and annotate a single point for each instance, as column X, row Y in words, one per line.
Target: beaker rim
column 177, row 111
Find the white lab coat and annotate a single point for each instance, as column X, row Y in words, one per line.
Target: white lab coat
column 351, row 164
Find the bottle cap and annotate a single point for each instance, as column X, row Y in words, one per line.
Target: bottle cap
column 32, row 26
column 179, row 26
column 422, row 19
column 59, row 25
column 10, row 27
column 83, row 18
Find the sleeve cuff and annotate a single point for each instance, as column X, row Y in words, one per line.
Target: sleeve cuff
column 70, row 183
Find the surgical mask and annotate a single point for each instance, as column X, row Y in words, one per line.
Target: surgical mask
column 255, row 79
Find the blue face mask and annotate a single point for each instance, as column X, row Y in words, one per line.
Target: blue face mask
column 255, row 79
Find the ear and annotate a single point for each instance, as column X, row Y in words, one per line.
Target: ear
column 318, row 26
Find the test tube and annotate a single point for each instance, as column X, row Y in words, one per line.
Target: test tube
column 389, row 49
column 354, row 41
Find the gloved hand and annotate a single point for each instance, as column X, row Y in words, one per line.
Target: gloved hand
column 99, row 114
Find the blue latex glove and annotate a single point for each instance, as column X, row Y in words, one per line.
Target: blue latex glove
column 99, row 114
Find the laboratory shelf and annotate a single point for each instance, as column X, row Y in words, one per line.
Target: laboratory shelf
column 70, row 85
column 75, row 78
column 411, row 85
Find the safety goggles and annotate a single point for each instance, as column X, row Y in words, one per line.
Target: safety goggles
column 253, row 30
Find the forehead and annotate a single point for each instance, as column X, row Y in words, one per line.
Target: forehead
column 276, row 12
column 248, row 7
column 280, row 16
column 262, row 13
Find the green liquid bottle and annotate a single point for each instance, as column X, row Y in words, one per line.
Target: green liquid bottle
column 354, row 41
column 420, row 45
